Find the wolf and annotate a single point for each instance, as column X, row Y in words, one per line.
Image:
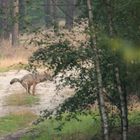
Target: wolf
column 32, row 80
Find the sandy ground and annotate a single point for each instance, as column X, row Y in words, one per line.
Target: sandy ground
column 50, row 98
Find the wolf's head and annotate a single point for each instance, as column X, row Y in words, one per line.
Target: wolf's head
column 48, row 76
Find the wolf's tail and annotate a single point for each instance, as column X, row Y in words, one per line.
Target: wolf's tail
column 14, row 81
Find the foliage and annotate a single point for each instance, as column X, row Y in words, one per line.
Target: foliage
column 77, row 70
column 42, row 37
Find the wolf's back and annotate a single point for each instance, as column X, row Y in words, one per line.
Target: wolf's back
column 29, row 78
column 14, row 81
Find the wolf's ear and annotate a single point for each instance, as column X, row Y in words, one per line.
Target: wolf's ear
column 48, row 71
column 45, row 72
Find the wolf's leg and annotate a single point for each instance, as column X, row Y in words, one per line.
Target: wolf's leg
column 28, row 89
column 34, row 85
column 25, row 85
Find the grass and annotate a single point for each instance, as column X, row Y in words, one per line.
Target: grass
column 84, row 129
column 88, row 128
column 134, row 133
column 19, row 99
column 13, row 67
column 134, row 118
column 14, row 58
column 15, row 121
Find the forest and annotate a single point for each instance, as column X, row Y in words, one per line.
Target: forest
column 89, row 54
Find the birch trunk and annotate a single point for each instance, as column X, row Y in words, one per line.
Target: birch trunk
column 123, row 105
column 101, row 101
column 122, row 94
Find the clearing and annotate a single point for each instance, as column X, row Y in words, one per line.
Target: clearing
column 49, row 97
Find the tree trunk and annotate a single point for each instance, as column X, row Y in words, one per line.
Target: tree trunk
column 48, row 12
column 55, row 19
column 70, row 8
column 15, row 31
column 22, row 11
column 121, row 91
column 0, row 19
column 123, row 106
column 101, row 101
column 4, row 19
column 109, row 10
